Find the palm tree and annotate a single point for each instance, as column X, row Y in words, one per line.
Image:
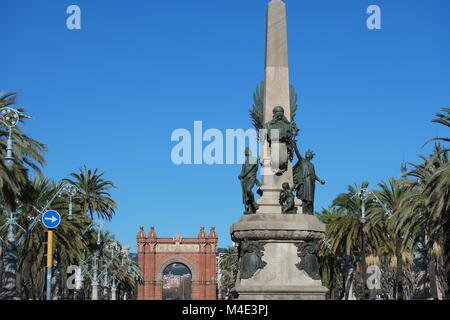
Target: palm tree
column 437, row 195
column 391, row 196
column 68, row 245
column 437, row 192
column 444, row 119
column 228, row 264
column 352, row 236
column 426, row 216
column 95, row 197
column 331, row 263
column 27, row 154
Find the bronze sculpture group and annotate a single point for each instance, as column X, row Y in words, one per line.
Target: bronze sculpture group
column 281, row 134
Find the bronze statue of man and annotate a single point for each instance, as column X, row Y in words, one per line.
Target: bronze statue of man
column 279, row 134
column 248, row 181
column 305, row 178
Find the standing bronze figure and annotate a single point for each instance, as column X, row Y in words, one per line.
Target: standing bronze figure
column 305, row 178
column 248, row 181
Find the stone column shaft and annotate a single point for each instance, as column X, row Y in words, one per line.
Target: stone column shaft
column 276, row 93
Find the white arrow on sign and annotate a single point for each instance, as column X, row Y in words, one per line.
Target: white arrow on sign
column 52, row 219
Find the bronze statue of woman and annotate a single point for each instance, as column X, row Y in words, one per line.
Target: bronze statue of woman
column 305, row 178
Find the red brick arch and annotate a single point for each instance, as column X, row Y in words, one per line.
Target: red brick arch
column 198, row 254
column 177, row 259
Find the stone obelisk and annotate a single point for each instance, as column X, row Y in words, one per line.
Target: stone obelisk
column 277, row 252
column 276, row 93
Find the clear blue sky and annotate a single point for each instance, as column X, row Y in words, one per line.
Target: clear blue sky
column 110, row 95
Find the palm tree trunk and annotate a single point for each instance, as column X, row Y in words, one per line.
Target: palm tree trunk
column 41, row 284
column 344, row 287
column 26, row 271
column 446, row 229
column 432, row 278
column 348, row 268
column 9, row 285
column 331, row 280
column 399, row 271
column 349, row 284
column 366, row 293
column 1, row 267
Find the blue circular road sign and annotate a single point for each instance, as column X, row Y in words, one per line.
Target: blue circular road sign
column 51, row 219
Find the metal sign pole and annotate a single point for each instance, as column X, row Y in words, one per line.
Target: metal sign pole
column 49, row 263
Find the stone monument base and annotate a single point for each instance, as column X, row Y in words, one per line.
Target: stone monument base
column 281, row 292
column 282, row 276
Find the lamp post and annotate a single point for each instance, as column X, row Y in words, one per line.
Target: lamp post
column 108, row 261
column 94, row 274
column 363, row 194
column 71, row 191
column 113, row 287
column 10, row 117
column 100, row 274
column 94, row 282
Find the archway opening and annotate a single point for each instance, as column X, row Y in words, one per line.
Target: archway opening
column 177, row 282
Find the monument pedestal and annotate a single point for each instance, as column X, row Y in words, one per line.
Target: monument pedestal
column 282, row 277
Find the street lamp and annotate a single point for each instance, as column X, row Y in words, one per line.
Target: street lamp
column 94, row 282
column 363, row 195
column 100, row 277
column 10, row 117
column 71, row 190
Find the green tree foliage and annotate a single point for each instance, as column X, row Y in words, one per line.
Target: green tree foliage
column 25, row 191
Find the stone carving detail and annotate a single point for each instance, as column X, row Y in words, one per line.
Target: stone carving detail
column 250, row 258
column 307, row 252
column 177, row 248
